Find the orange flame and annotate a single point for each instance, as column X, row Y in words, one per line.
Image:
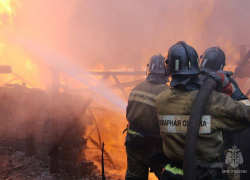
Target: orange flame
column 7, row 7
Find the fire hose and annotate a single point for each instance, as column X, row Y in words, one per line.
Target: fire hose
column 189, row 162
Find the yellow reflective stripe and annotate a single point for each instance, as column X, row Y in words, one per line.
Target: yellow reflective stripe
column 133, row 132
column 174, row 170
column 143, row 97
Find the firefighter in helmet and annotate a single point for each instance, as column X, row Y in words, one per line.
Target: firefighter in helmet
column 212, row 60
column 143, row 137
column 174, row 107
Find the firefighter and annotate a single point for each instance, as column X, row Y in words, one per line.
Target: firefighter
column 212, row 60
column 174, row 107
column 143, row 137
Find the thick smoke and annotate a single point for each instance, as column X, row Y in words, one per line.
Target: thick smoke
column 116, row 33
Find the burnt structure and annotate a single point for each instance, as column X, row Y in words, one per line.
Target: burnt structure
column 53, row 153
column 32, row 121
column 27, row 121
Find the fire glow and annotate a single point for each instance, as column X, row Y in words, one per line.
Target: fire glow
column 111, row 36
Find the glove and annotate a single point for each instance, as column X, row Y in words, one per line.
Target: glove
column 223, row 83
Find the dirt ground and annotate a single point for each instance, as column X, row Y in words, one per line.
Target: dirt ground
column 14, row 165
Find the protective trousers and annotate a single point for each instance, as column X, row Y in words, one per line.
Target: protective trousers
column 138, row 165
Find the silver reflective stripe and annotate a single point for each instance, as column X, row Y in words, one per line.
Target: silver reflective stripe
column 246, row 102
column 177, row 64
column 204, row 63
column 153, row 67
column 179, row 123
column 143, row 97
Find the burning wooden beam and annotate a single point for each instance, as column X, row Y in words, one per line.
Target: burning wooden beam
column 113, row 86
column 118, row 73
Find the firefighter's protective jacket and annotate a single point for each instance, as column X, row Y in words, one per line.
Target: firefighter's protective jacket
column 141, row 109
column 222, row 112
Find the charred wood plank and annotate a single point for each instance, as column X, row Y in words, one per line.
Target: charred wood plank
column 113, row 86
column 118, row 73
column 54, row 163
column 96, row 125
column 103, row 173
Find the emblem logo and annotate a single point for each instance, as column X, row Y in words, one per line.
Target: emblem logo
column 234, row 157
